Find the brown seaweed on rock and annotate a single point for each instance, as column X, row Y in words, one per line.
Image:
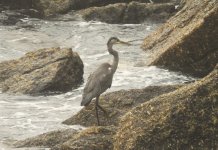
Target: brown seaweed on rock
column 93, row 138
column 42, row 71
column 49, row 139
column 184, row 119
column 188, row 41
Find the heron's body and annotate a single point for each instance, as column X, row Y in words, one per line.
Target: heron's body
column 101, row 79
column 98, row 82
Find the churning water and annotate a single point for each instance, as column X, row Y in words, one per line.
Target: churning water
column 23, row 116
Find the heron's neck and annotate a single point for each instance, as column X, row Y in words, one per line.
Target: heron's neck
column 116, row 57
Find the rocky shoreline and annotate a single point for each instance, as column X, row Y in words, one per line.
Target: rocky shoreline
column 157, row 117
column 110, row 11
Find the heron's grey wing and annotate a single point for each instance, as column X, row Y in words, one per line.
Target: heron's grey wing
column 98, row 82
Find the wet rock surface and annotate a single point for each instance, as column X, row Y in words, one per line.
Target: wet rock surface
column 117, row 104
column 133, row 12
column 187, row 42
column 50, row 7
column 18, row 4
column 12, row 17
column 183, row 119
column 42, row 71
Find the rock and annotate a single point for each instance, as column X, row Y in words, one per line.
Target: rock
column 133, row 12
column 186, row 118
column 11, row 17
column 117, row 104
column 49, row 8
column 89, row 139
column 49, row 139
column 111, row 13
column 188, row 41
column 93, row 138
column 53, row 7
column 18, row 4
column 141, row 12
column 42, row 71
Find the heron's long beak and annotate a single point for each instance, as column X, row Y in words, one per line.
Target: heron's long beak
column 124, row 43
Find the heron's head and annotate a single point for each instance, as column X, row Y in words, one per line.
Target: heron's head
column 115, row 40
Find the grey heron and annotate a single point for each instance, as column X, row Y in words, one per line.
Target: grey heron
column 101, row 79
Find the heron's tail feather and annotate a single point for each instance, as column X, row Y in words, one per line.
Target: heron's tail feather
column 86, row 99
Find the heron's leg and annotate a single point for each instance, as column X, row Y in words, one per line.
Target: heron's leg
column 99, row 106
column 96, row 109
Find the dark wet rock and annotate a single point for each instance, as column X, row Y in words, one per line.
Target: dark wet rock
column 140, row 12
column 188, row 41
column 17, row 4
column 133, row 12
column 184, row 119
column 49, row 139
column 44, row 70
column 11, row 17
column 117, row 104
column 82, row 4
column 51, row 7
column 110, row 13
column 48, row 7
column 93, row 138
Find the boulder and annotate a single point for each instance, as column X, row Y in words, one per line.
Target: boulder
column 18, row 4
column 117, row 104
column 52, row 7
column 111, row 13
column 88, row 139
column 93, row 138
column 48, row 140
column 187, row 42
column 140, row 12
column 42, row 71
column 12, row 17
column 186, row 118
column 133, row 12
